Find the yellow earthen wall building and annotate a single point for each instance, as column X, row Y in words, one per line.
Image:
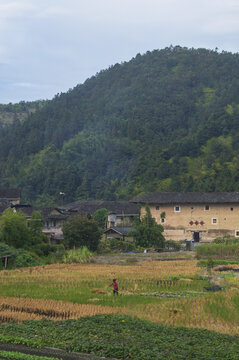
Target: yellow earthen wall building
column 194, row 216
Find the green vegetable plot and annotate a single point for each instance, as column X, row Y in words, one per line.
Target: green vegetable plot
column 124, row 337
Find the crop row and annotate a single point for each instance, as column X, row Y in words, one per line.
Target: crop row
column 47, row 313
column 20, row 309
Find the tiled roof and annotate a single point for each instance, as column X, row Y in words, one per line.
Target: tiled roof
column 188, row 198
column 10, row 193
column 90, row 207
column 46, row 212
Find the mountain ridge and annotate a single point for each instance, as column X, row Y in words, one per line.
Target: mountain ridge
column 167, row 120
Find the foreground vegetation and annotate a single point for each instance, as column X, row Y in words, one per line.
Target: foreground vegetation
column 163, row 310
column 124, row 337
column 14, row 355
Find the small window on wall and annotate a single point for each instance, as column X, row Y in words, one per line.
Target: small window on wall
column 177, row 208
column 214, row 221
column 231, row 209
column 207, row 207
column 237, row 233
column 163, row 221
column 157, row 207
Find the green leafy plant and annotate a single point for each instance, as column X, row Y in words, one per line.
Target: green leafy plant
column 82, row 255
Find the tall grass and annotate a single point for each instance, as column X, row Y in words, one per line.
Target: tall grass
column 217, row 251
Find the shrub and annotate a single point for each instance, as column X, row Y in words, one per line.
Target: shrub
column 47, row 249
column 25, row 258
column 113, row 244
column 227, row 240
column 171, row 244
column 210, row 264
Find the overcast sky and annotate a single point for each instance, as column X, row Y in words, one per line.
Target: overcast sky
column 49, row 46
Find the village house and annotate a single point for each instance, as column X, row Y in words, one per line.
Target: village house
column 193, row 216
column 53, row 220
column 120, row 213
column 118, row 232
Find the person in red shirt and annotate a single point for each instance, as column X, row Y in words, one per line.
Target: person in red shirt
column 115, row 287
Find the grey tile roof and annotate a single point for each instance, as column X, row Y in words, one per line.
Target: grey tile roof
column 90, row 207
column 188, row 198
column 10, row 193
column 46, row 212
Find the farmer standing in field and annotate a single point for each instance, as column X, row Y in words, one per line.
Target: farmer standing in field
column 115, row 287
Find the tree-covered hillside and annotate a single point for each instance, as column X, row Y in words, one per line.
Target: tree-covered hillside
column 18, row 112
column 166, row 120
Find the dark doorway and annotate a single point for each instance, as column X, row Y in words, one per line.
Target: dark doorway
column 196, row 236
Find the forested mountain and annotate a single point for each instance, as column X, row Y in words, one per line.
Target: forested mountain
column 166, row 120
column 14, row 112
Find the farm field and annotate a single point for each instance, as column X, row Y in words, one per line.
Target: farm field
column 170, row 292
column 166, row 293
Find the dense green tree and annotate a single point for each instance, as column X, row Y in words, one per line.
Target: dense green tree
column 147, row 232
column 80, row 231
column 14, row 230
column 36, row 224
column 100, row 217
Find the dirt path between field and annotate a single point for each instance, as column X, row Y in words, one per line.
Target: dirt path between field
column 49, row 352
column 131, row 258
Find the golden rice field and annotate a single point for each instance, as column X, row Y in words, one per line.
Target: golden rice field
column 78, row 272
column 194, row 312
column 63, row 291
column 35, row 309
